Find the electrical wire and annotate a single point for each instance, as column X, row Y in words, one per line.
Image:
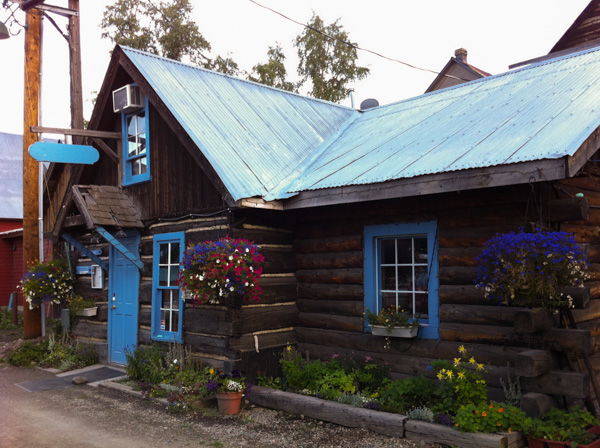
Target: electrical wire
column 349, row 44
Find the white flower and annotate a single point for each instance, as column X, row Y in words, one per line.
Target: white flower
column 230, row 257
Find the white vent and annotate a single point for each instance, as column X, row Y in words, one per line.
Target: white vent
column 127, row 99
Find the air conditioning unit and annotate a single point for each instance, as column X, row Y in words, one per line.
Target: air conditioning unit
column 127, row 99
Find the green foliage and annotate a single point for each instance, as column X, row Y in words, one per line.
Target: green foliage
column 269, row 381
column 273, row 72
column 402, row 395
column 490, row 418
column 29, row 354
column 66, row 354
column 424, row 414
column 145, row 364
column 164, row 28
column 356, row 400
column 511, row 389
column 562, row 425
column 328, row 62
column 6, row 320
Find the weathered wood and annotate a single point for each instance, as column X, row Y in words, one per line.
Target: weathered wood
column 341, row 414
column 204, row 319
column 581, row 296
column 335, row 244
column 535, row 405
column 330, row 260
column 457, row 275
column 79, row 132
column 359, row 341
column 534, row 320
column 278, row 289
column 434, row 433
column 583, row 233
column 594, row 272
column 559, row 339
column 344, row 308
column 89, row 329
column 458, row 256
column 279, row 259
column 472, row 236
column 263, row 236
column 533, row 363
column 209, row 344
column 339, row 276
column 145, row 293
column 570, row 384
column 462, row 295
column 263, row 340
column 590, row 313
column 336, row 292
column 251, row 319
column 568, row 209
column 478, row 314
column 328, row 321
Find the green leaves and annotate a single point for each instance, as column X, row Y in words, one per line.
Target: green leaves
column 327, row 60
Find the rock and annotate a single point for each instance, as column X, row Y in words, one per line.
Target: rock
column 78, row 380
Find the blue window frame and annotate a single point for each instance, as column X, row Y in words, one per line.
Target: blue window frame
column 167, row 300
column 401, row 269
column 136, row 156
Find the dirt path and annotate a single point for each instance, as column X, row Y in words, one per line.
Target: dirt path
column 84, row 416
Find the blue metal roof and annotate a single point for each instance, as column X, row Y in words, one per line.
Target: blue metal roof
column 544, row 111
column 253, row 136
column 11, row 176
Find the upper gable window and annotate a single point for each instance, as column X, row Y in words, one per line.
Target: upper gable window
column 136, row 156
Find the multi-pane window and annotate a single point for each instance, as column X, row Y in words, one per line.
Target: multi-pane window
column 135, row 147
column 167, row 303
column 401, row 271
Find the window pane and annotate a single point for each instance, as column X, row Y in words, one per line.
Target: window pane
column 174, row 253
column 163, row 272
column 174, row 270
column 388, row 299
column 165, row 320
column 388, row 251
column 421, row 278
column 164, row 253
column 175, row 321
column 404, row 250
column 143, row 165
column 132, row 146
column 388, row 280
column 421, row 304
column 405, row 302
column 166, row 298
column 405, row 278
column 420, row 250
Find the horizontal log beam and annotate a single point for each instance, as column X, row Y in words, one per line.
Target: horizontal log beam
column 458, row 256
column 344, row 308
column 78, row 132
column 335, row 276
column 533, row 363
column 534, row 320
column 336, row 292
column 330, row 260
column 335, row 244
column 478, row 314
column 462, row 295
column 568, row 209
column 328, row 321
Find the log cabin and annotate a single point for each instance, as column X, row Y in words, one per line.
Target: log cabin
column 188, row 155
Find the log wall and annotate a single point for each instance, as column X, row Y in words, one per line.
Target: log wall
column 329, row 247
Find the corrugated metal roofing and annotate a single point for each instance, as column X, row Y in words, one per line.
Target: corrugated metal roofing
column 544, row 111
column 254, row 136
column 11, row 176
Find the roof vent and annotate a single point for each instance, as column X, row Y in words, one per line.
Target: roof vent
column 127, row 99
column 369, row 103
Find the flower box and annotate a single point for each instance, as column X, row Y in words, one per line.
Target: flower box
column 88, row 311
column 396, row 332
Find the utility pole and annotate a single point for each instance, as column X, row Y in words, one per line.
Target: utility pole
column 32, row 319
column 75, row 68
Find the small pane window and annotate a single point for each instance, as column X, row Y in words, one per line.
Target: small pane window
column 135, row 152
column 167, row 303
column 401, row 271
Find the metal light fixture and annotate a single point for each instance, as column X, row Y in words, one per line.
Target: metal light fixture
column 4, row 34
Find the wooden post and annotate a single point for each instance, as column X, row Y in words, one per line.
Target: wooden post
column 32, row 319
column 75, row 69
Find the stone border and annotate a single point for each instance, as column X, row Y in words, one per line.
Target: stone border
column 393, row 425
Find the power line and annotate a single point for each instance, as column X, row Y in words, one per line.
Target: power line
column 354, row 45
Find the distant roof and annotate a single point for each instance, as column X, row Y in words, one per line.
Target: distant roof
column 456, row 71
column 253, row 136
column 584, row 31
column 11, row 176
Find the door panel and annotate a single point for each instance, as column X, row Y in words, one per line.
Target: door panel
column 124, row 281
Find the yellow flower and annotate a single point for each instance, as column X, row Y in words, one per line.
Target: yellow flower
column 289, row 348
column 440, row 375
column 462, row 349
column 456, row 361
column 472, row 360
column 211, row 371
column 479, row 366
column 449, row 373
column 461, row 375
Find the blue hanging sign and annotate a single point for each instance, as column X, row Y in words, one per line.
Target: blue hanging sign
column 60, row 153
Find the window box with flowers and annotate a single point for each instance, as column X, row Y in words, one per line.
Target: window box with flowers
column 47, row 282
column 392, row 322
column 222, row 272
column 530, row 269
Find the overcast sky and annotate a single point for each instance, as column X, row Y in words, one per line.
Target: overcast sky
column 422, row 33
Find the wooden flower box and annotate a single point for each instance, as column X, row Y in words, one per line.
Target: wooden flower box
column 396, row 332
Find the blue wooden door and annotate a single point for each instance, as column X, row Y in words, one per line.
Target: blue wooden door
column 123, row 306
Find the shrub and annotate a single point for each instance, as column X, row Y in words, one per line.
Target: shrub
column 30, row 353
column 486, row 417
column 403, row 395
column 145, row 364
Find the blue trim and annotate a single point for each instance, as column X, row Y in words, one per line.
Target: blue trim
column 128, row 177
column 156, row 333
column 372, row 300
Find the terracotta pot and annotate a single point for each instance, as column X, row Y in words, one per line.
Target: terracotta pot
column 553, row 444
column 229, row 402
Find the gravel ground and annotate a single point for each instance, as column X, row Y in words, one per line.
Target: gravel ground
column 85, row 416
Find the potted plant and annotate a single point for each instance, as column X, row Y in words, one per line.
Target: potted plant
column 564, row 428
column 529, row 269
column 228, row 388
column 47, row 282
column 213, row 271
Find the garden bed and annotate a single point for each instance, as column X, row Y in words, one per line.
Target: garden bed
column 384, row 423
